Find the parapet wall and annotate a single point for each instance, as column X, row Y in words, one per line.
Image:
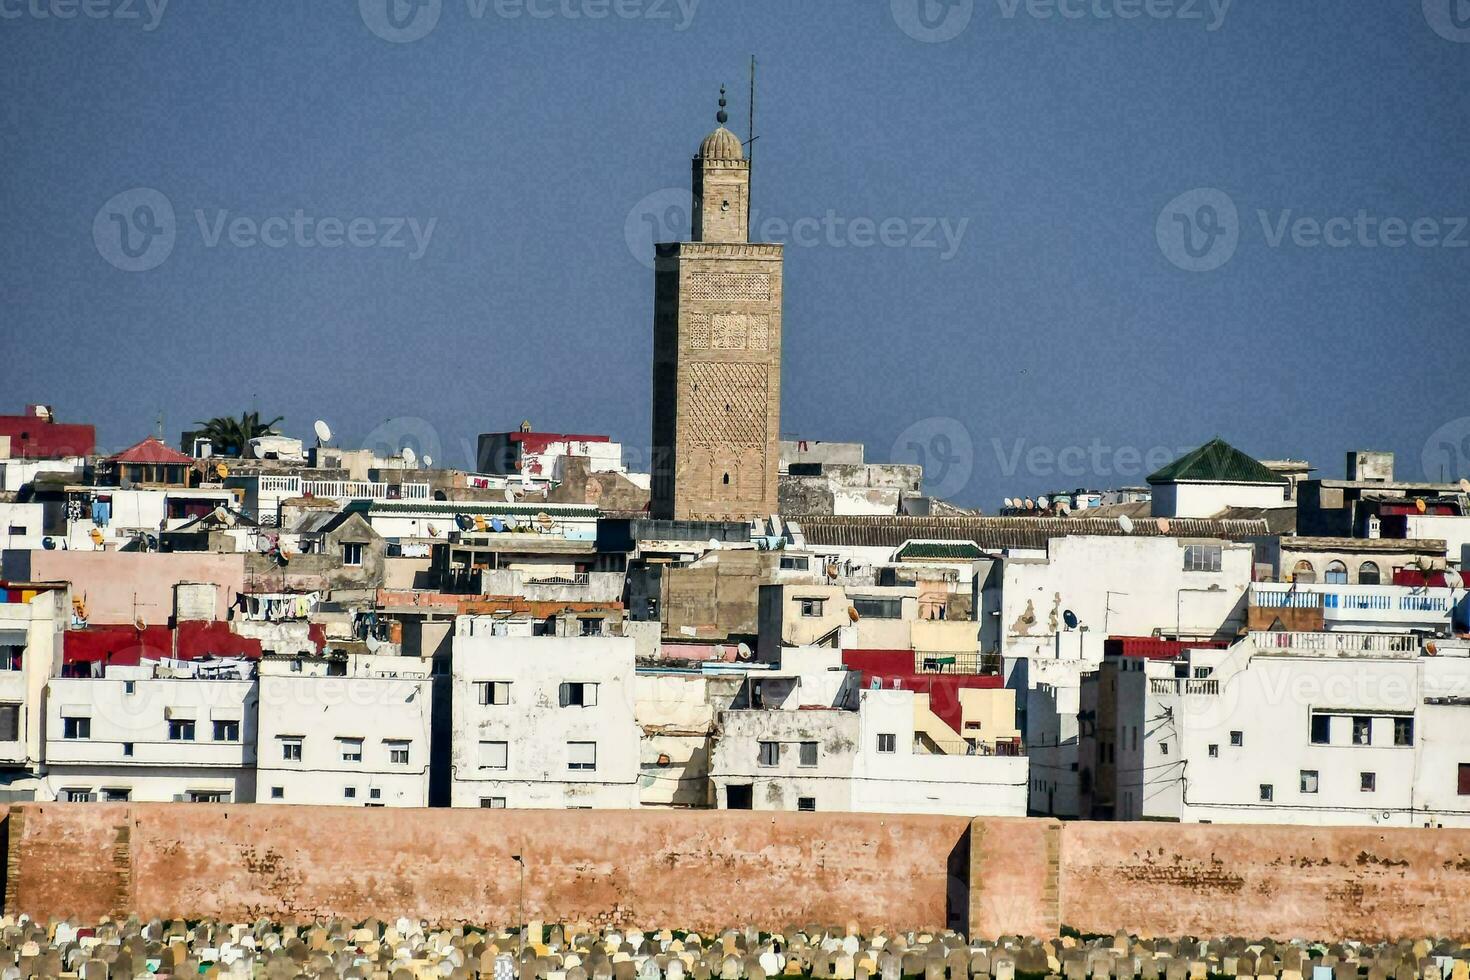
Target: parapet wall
column 707, row 870
column 694, row 869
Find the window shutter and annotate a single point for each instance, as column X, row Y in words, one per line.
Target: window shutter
column 565, row 694
column 589, row 695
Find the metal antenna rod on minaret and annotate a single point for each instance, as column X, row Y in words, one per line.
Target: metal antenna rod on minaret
column 750, row 153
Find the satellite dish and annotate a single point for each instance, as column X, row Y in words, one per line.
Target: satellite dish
column 323, row 431
column 463, row 522
column 96, row 535
column 139, row 625
column 743, row 651
column 1126, row 523
column 1465, row 485
column 1064, row 508
column 544, row 519
column 1030, row 504
column 1419, row 505
column 410, row 458
column 510, row 495
column 1454, row 579
column 714, row 544
column 1070, row 618
column 832, row 570
column 49, row 544
column 852, row 614
column 496, row 524
column 428, row 461
column 1008, row 502
column 433, row 531
column 1164, row 525
column 1041, row 502
column 221, row 470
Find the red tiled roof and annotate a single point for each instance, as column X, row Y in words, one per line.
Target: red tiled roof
column 150, row 450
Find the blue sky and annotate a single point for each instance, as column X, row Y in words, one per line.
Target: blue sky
column 424, row 231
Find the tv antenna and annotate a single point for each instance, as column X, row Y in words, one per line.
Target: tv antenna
column 750, row 150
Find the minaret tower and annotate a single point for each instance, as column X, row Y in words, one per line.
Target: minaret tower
column 717, row 351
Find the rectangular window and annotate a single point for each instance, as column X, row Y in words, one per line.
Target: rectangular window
column 1403, row 731
column 1362, row 731
column 1463, row 785
column 494, row 755
column 1309, row 781
column 872, row 608
column 812, row 608
column 798, row 563
column 349, row 792
column 9, row 722
column 351, row 749
column 808, row 754
column 1237, row 739
column 397, row 751
column 578, row 694
column 278, row 792
column 76, row 728
column 227, row 731
column 492, row 803
column 352, row 554
column 582, row 756
column 130, row 687
column 1214, row 751
column 1321, row 729
column 592, row 627
column 1202, row 557
column 768, row 754
column 127, row 749
column 290, row 748
column 493, row 692
column 806, row 804
column 1368, row 781
column 116, row 795
column 887, row 743
column 208, row 796
column 1163, row 748
column 78, row 796
column 1267, row 792
column 181, row 730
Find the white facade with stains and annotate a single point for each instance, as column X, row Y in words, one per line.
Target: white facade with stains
column 542, row 722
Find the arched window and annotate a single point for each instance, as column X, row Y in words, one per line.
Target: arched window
column 1368, row 574
column 1336, row 574
column 1304, row 572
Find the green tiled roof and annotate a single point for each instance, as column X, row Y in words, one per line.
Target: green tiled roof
column 1215, row 462
column 948, row 550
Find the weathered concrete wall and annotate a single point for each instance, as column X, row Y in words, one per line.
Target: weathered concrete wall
column 698, row 870
column 713, row 869
column 1264, row 880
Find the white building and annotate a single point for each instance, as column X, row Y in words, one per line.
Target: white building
column 1370, row 608
column 21, row 526
column 31, row 633
column 542, row 721
column 1359, row 729
column 153, row 733
column 1212, row 478
column 804, row 737
column 347, row 733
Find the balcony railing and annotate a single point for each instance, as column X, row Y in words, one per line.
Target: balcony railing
column 1339, row 644
column 577, row 579
column 1352, row 598
column 344, row 489
column 964, row 662
column 923, row 745
column 1191, row 686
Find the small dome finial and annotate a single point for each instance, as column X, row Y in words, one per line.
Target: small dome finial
column 722, row 116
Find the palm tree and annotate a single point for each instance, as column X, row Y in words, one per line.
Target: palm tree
column 231, row 436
